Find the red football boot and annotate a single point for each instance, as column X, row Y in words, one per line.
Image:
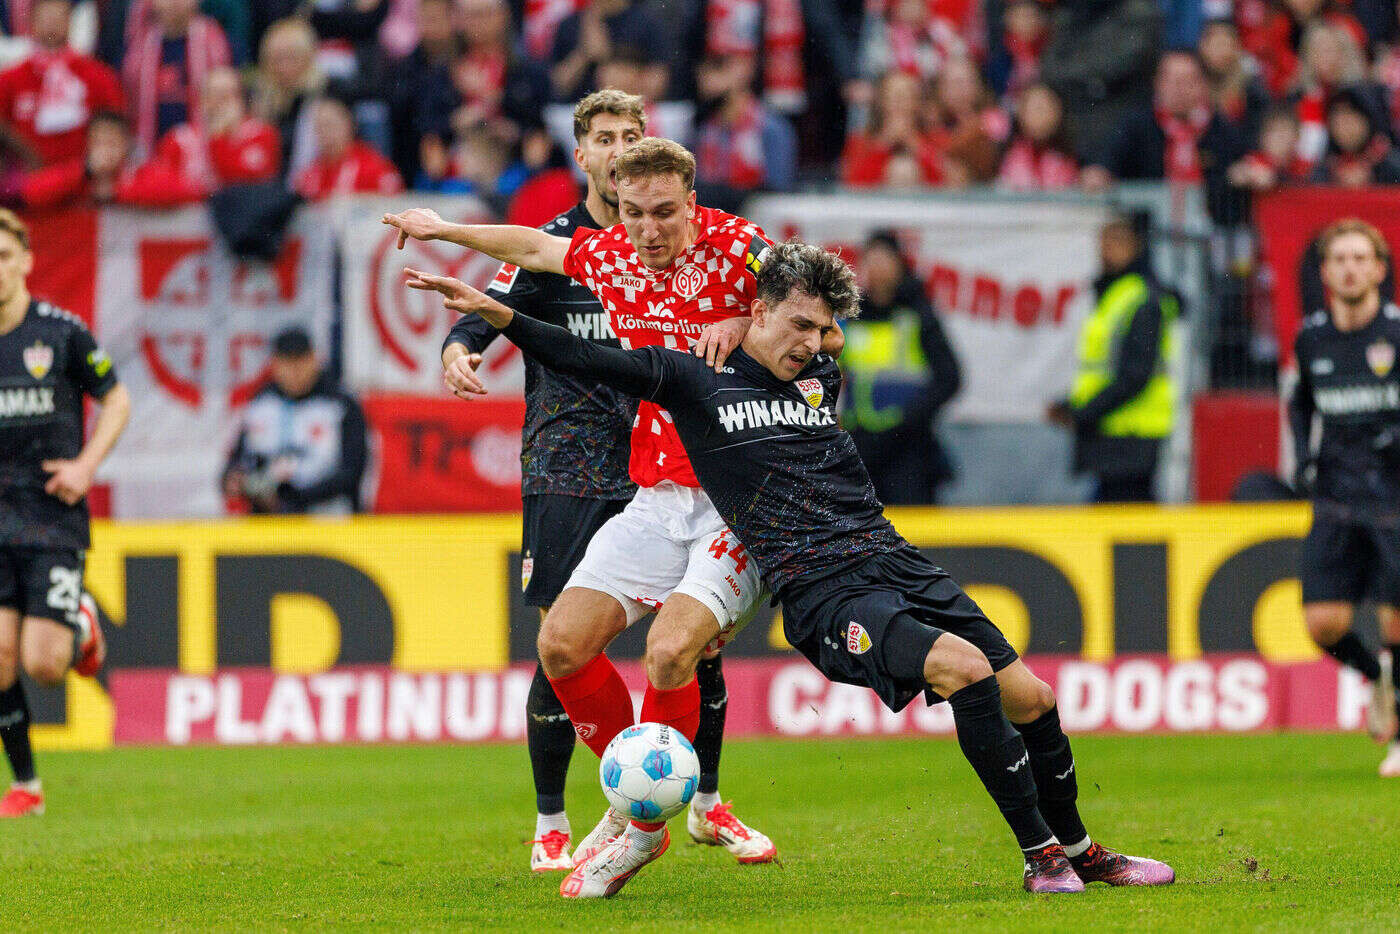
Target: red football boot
column 19, row 803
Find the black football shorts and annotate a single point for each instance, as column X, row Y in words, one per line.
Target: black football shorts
column 557, row 530
column 42, row 582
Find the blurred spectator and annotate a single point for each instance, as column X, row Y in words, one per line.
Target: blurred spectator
column 343, row 164
column 233, row 16
column 476, row 164
column 539, row 22
column 910, row 36
column 1123, row 400
column 1182, row 138
column 106, row 173
column 773, row 32
column 1039, row 157
column 900, row 372
column 48, row 98
column 893, row 149
column 1025, row 33
column 585, row 40
column 1276, row 162
column 637, row 71
column 743, row 146
column 1099, row 60
column 427, row 67
column 167, row 65
column 1358, row 153
column 18, row 22
column 1330, row 60
column 303, row 445
column 228, row 146
column 348, row 31
column 549, row 188
column 488, row 81
column 1236, row 89
column 967, row 127
column 287, row 82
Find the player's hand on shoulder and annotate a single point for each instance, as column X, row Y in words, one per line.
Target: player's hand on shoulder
column 70, row 480
column 418, row 223
column 718, row 340
column 460, row 376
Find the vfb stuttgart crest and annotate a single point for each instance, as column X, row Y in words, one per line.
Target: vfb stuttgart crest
column 689, row 281
column 811, row 390
column 1380, row 357
column 857, row 639
column 38, row 359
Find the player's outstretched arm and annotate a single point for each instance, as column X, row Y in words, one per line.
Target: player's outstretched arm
column 70, row 480
column 525, row 247
column 634, row 372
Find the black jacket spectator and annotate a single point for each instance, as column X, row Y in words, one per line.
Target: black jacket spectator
column 576, row 53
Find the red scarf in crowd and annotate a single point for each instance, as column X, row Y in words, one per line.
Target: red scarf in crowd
column 741, row 26
column 732, row 154
column 205, row 49
column 20, row 13
column 541, row 22
column 1182, row 160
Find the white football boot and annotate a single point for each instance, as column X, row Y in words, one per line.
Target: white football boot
column 1380, row 713
column 719, row 827
column 550, row 852
column 1390, row 765
column 609, row 829
column 612, row 866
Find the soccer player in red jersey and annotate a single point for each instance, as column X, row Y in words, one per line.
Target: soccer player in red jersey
column 663, row 274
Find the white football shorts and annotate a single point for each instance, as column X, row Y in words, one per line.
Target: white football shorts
column 670, row 539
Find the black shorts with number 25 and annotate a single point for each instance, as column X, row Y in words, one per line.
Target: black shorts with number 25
column 557, row 530
column 42, row 582
column 873, row 624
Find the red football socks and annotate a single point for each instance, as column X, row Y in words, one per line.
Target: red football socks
column 678, row 708
column 598, row 703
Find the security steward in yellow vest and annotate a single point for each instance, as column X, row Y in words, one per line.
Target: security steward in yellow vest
column 1123, row 399
column 900, row 371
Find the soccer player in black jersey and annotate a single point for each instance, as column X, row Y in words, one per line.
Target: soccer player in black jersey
column 1349, row 383
column 574, row 458
column 48, row 362
column 859, row 601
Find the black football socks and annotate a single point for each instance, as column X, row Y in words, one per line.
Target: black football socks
column 999, row 756
column 1052, row 764
column 714, row 701
column 14, row 731
column 1352, row 652
column 550, row 737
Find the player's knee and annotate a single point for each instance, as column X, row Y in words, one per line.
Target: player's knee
column 1326, row 624
column 560, row 655
column 670, row 661
column 1037, row 701
column 955, row 663
column 46, row 667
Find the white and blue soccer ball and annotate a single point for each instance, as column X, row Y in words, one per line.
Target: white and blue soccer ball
column 649, row 772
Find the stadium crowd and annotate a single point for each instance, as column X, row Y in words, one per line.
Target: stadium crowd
column 154, row 102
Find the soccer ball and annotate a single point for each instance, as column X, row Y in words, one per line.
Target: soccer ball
column 649, row 772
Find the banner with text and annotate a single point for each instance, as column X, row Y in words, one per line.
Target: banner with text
column 1012, row 280
column 1183, row 618
column 187, row 325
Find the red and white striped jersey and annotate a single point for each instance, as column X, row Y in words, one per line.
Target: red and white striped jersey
column 714, row 279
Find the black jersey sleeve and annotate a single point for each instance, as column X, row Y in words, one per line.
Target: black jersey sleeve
column 655, row 373
column 88, row 364
column 1301, row 407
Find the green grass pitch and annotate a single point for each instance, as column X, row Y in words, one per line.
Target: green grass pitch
column 1266, row 832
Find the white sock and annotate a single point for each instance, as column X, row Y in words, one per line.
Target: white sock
column 1078, row 848
column 544, row 823
column 647, row 838
column 703, row 801
column 33, row 786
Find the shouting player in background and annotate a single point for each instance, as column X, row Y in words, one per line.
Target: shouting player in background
column 48, row 362
column 1348, row 381
column 861, row 603
column 574, row 465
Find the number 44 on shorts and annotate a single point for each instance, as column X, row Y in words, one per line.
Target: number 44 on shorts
column 736, row 551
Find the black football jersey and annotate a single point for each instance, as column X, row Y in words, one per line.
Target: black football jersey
column 1350, row 381
column 47, row 364
column 576, row 437
column 780, row 471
